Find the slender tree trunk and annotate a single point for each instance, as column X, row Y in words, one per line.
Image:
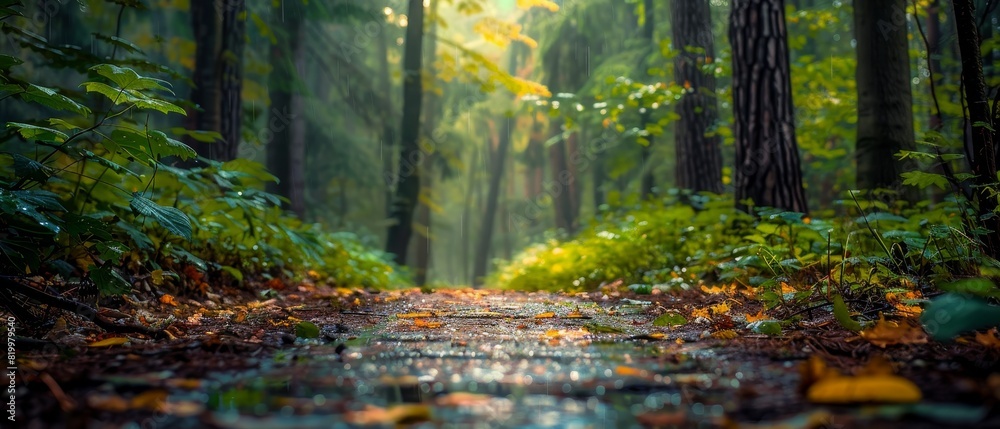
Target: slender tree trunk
column 297, row 143
column 648, row 32
column 206, row 92
column 284, row 153
column 233, row 45
column 885, row 104
column 699, row 161
column 424, row 240
column 388, row 143
column 983, row 154
column 561, row 178
column 411, row 158
column 934, row 46
column 767, row 156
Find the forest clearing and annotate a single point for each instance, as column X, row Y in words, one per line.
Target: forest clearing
column 500, row 213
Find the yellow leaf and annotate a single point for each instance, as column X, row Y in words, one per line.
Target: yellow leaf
column 721, row 308
column 727, row 334
column 657, row 335
column 886, row 333
column 417, row 315
column 153, row 400
column 848, row 390
column 156, row 277
column 552, row 333
column 108, row 342
column 546, row 315
column 575, row 314
column 757, row 317
column 628, row 371
column 700, row 312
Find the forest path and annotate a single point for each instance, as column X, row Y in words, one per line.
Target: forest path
column 468, row 358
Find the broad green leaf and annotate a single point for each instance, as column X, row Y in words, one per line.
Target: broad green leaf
column 979, row 286
column 50, row 98
column 35, row 132
column 306, row 329
column 128, row 79
column 670, row 319
column 921, row 179
column 7, row 61
column 154, row 144
column 952, row 314
column 766, row 327
column 119, row 42
column 108, row 281
column 111, row 251
column 170, row 218
column 30, row 169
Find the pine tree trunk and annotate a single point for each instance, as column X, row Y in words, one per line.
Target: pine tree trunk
column 983, row 153
column 233, row 45
column 767, row 156
column 885, row 104
column 206, row 91
column 648, row 181
column 285, row 54
column 411, row 158
column 699, row 161
column 561, row 178
column 424, row 240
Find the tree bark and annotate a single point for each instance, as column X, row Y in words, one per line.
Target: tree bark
column 206, row 91
column 233, row 45
column 885, row 103
column 424, row 240
column 411, row 158
column 767, row 156
column 388, row 143
column 285, row 150
column 561, row 179
column 648, row 181
column 983, row 153
column 699, row 161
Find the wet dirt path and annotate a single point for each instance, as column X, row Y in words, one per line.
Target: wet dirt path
column 465, row 358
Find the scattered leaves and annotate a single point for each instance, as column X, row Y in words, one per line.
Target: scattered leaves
column 109, row 342
column 168, row 299
column 546, row 315
column 886, row 333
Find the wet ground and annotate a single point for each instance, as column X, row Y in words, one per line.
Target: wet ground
column 470, row 358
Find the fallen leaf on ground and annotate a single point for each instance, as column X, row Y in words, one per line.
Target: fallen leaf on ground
column 658, row 419
column 873, row 383
column 988, row 338
column 395, row 415
column 700, row 312
column 721, row 308
column 546, row 315
column 726, row 334
column 110, row 403
column 628, row 371
column 463, row 399
column 886, row 333
column 669, row 319
column 168, row 299
column 153, row 400
column 421, row 323
column 575, row 314
column 109, row 342
column 418, row 315
column 751, row 318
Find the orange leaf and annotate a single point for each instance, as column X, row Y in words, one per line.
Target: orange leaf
column 546, row 315
column 989, row 339
column 886, row 333
column 418, row 315
column 757, row 317
column 168, row 299
column 721, row 308
column 421, row 323
column 628, row 371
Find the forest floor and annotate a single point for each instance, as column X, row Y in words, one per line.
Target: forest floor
column 482, row 358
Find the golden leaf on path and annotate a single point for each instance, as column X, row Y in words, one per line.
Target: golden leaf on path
column 886, row 333
column 417, row 315
column 546, row 315
column 109, row 342
column 721, row 308
column 657, row 336
column 552, row 333
column 394, row 415
column 240, row 317
column 726, row 334
column 713, row 290
column 421, row 323
column 575, row 314
column 700, row 312
column 989, row 339
column 168, row 299
column 109, row 403
column 863, row 389
column 751, row 318
column 153, row 400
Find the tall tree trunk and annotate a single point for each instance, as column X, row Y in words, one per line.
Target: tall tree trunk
column 934, row 48
column 699, row 161
column 411, row 158
column 424, row 240
column 285, row 153
column 206, row 91
column 767, row 156
column 465, row 223
column 648, row 32
column 885, row 103
column 388, row 143
column 983, row 154
column 561, row 178
column 493, row 196
column 233, row 44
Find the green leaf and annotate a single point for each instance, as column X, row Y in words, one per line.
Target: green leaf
column 119, row 42
column 766, row 327
column 843, row 314
column 921, row 179
column 112, row 251
column 7, row 61
column 127, row 78
column 35, row 132
column 233, row 272
column 108, row 281
column 670, row 319
column 981, row 287
column 30, row 169
column 131, row 96
column 952, row 314
column 170, row 218
column 155, row 144
column 50, row 98
column 306, row 329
